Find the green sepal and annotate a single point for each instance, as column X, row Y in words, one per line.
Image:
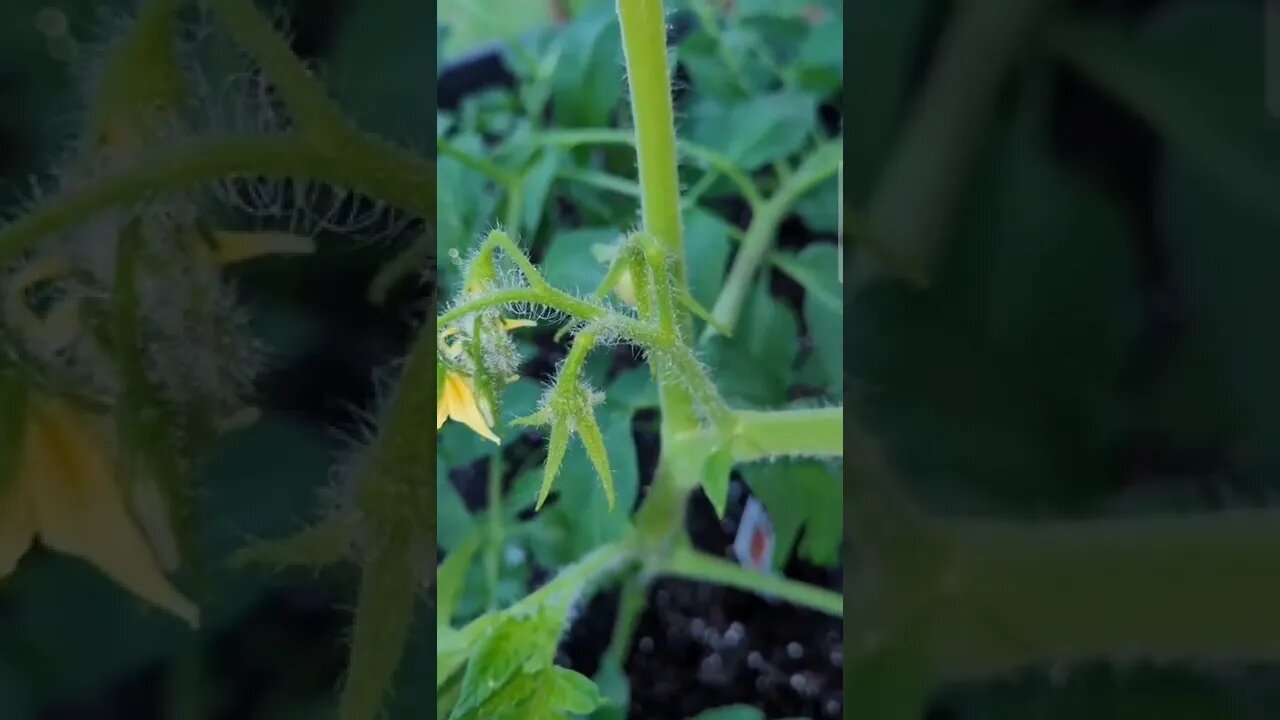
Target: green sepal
column 593, row 442
column 142, row 76
column 556, row 448
column 325, row 543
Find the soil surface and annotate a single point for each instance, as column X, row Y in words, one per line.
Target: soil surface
column 699, row 646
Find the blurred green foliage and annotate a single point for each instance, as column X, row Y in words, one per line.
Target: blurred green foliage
column 1097, row 339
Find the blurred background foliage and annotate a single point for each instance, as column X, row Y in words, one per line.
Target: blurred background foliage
column 272, row 645
column 1098, row 337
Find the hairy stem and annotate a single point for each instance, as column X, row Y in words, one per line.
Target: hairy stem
column 819, row 166
column 694, row 565
column 362, row 166
column 312, row 108
column 913, row 202
column 772, row 433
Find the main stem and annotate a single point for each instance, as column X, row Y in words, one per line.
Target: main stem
column 644, row 43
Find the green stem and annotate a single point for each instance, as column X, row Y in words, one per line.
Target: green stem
column 912, row 204
column 1022, row 594
column 361, row 165
column 493, row 550
column 312, row 108
column 601, row 180
column 547, row 297
column 501, row 239
column 772, row 433
column 630, row 605
column 644, row 41
column 712, row 159
column 694, row 565
column 474, row 162
column 755, row 247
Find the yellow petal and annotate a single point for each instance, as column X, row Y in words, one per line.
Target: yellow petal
column 510, row 325
column 234, row 247
column 465, row 408
column 17, row 525
column 442, row 406
column 153, row 515
column 80, row 508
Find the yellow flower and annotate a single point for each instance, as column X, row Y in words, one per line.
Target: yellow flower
column 66, row 493
column 458, row 401
column 458, row 398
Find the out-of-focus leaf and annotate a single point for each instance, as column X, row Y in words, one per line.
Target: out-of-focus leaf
column 825, row 323
column 569, row 263
column 1222, row 381
column 756, row 131
column 801, row 495
column 589, row 80
column 1002, row 378
column 731, row 712
column 755, row 366
column 373, row 86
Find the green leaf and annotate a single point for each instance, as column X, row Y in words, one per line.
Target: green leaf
column 825, row 324
column 758, row 131
column 709, row 74
column 707, row 246
column 569, row 264
column 374, row 45
column 632, row 390
column 801, row 495
column 885, row 38
column 514, row 646
column 538, row 182
column 1221, row 381
column 519, row 399
column 473, row 23
column 819, row 69
column 568, row 691
column 755, row 366
column 553, row 693
column 715, row 478
column 1006, row 369
column 588, row 80
column 452, row 576
column 820, row 207
column 467, row 204
column 731, row 712
column 453, row 523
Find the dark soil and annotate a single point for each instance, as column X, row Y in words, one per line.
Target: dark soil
column 700, row 646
